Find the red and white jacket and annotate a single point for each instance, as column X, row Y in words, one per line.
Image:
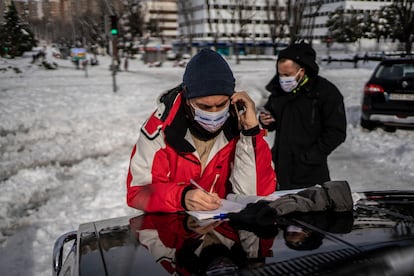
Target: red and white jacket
column 164, row 160
column 167, row 238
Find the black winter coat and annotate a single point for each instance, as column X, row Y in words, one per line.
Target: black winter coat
column 309, row 125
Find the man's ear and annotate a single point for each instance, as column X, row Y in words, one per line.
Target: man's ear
column 184, row 90
column 187, row 102
column 303, row 73
column 188, row 108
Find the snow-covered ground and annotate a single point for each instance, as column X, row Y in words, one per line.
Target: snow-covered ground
column 65, row 141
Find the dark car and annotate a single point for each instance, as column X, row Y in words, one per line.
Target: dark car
column 388, row 99
column 376, row 238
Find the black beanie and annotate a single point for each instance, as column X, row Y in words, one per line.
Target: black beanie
column 208, row 74
column 303, row 54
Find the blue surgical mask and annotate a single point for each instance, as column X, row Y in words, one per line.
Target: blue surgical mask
column 211, row 121
column 288, row 84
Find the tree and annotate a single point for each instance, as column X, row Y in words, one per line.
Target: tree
column 213, row 21
column 90, row 27
column 294, row 15
column 400, row 16
column 310, row 20
column 277, row 25
column 16, row 37
column 344, row 27
column 132, row 24
column 186, row 9
column 285, row 18
column 242, row 13
column 376, row 26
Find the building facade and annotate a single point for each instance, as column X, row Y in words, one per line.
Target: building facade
column 225, row 23
column 200, row 21
column 162, row 15
column 322, row 9
column 225, row 19
column 209, row 20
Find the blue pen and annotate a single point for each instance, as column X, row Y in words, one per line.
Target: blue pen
column 221, row 216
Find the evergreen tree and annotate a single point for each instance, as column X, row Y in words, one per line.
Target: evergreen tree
column 131, row 25
column 400, row 16
column 15, row 36
column 380, row 26
column 345, row 27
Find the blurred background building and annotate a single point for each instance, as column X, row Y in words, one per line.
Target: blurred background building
column 241, row 26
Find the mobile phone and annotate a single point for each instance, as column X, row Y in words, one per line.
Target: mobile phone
column 240, row 108
column 262, row 109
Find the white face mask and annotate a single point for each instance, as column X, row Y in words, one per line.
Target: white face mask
column 211, row 121
column 289, row 83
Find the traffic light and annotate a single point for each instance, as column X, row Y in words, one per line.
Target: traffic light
column 114, row 25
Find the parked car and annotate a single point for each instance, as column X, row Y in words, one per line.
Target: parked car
column 388, row 99
column 377, row 238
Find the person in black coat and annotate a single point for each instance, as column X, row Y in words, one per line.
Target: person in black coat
column 307, row 112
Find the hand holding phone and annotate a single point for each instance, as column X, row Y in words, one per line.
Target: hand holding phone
column 265, row 117
column 245, row 109
column 240, row 108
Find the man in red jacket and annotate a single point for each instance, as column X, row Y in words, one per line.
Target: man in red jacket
column 182, row 247
column 203, row 132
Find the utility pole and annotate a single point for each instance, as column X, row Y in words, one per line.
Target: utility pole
column 115, row 61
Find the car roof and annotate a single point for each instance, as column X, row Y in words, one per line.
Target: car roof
column 408, row 59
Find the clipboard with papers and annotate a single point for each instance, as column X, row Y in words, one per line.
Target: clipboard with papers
column 227, row 206
column 234, row 203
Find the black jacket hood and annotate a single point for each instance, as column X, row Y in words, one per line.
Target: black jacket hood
column 303, row 54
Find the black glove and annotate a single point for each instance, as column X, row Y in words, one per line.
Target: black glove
column 340, row 195
column 310, row 199
column 255, row 213
column 332, row 195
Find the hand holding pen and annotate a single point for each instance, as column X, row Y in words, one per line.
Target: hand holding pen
column 194, row 225
column 201, row 200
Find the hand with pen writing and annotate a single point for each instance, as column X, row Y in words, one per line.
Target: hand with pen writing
column 200, row 200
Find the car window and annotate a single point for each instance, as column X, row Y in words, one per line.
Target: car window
column 395, row 71
column 409, row 70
